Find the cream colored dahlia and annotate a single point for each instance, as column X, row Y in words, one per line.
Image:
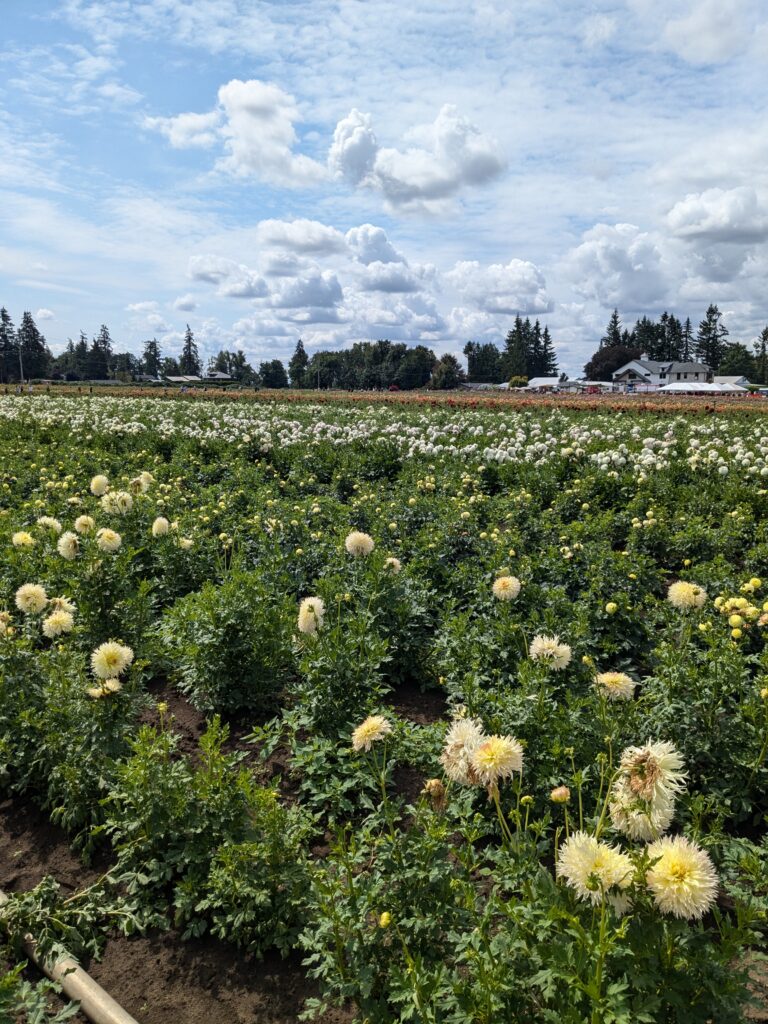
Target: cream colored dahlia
column 359, row 544
column 495, row 758
column 506, row 588
column 62, row 604
column 461, row 741
column 393, row 564
column 311, row 615
column 642, row 803
column 58, row 622
column 68, row 545
column 49, row 523
column 31, row 598
column 85, row 524
column 549, row 651
column 683, row 879
column 615, row 685
column 99, row 485
column 593, row 868
column 108, row 540
column 111, row 659
column 22, row 539
column 161, row 527
column 373, row 729
column 686, row 595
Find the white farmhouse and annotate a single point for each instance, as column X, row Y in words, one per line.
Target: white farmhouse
column 654, row 374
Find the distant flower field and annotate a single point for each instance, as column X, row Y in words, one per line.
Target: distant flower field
column 578, row 833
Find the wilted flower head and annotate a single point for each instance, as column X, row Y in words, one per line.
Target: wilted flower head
column 461, row 741
column 560, row 795
column 615, row 685
column 506, row 588
column 682, row 879
column 111, row 659
column 359, row 544
column 49, row 523
column 117, row 502
column 393, row 564
column 161, row 527
column 22, row 539
column 495, row 758
column 62, row 604
column 642, row 803
column 686, row 595
column 31, row 598
column 68, row 545
column 374, row 728
column 549, row 651
column 85, row 524
column 5, row 623
column 99, row 485
column 592, row 867
column 107, row 540
column 104, row 688
column 58, row 622
column 435, row 790
column 311, row 615
column 185, row 543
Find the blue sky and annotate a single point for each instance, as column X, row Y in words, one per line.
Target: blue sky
column 346, row 170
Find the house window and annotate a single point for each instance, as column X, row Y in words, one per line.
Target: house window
column 678, row 376
column 685, row 376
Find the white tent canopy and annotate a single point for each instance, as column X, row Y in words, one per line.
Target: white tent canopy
column 702, row 387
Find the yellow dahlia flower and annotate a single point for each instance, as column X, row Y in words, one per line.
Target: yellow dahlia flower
column 592, row 867
column 22, row 539
column 161, row 527
column 615, row 685
column 49, row 523
column 68, row 545
column 107, row 540
column 311, row 615
column 99, row 485
column 31, row 598
column 683, row 879
column 374, row 728
column 85, row 524
column 683, row 595
column 58, row 622
column 359, row 544
column 506, row 588
column 111, row 659
column 496, row 757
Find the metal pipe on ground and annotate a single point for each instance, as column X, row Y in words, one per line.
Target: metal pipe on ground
column 77, row 984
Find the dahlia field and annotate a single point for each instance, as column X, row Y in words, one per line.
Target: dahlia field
column 485, row 695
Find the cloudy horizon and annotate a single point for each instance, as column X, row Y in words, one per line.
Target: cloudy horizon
column 343, row 171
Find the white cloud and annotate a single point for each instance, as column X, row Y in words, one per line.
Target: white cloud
column 598, row 30
column 302, row 236
column 711, row 31
column 517, row 287
column 235, row 280
column 210, row 268
column 44, row 314
column 619, row 265
column 185, row 303
column 389, row 277
column 720, row 215
column 149, row 306
column 157, row 322
column 371, row 245
column 187, row 131
column 319, row 289
column 452, row 154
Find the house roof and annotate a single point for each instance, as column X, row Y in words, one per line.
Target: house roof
column 720, row 379
column 543, row 382
column 676, row 367
column 186, row 379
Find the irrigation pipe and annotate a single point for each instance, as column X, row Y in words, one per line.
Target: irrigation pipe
column 76, row 984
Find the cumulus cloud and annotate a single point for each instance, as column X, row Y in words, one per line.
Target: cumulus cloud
column 235, row 280
column 619, row 265
column 720, row 215
column 450, row 154
column 149, row 306
column 389, row 277
column 371, row 245
column 302, row 236
column 517, row 287
column 185, row 303
column 188, row 131
column 44, row 314
column 319, row 289
column 711, row 31
column 254, row 121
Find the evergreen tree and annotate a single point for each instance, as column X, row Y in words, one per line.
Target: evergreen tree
column 9, row 353
column 687, row 342
column 297, row 367
column 416, row 368
column 607, row 360
column 152, row 358
column 447, row 374
column 761, row 358
column 34, row 353
column 738, row 361
column 170, row 367
column 535, row 358
column 612, row 332
column 515, row 358
column 710, row 341
column 81, row 356
column 273, row 375
column 484, row 363
column 548, row 355
column 189, row 361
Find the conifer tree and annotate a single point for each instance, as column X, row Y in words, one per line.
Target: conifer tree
column 189, row 361
column 297, row 367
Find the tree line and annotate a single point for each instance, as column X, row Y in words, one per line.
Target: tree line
column 669, row 339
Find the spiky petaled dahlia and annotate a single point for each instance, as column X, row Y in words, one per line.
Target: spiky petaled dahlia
column 615, row 685
column 68, row 545
column 683, row 595
column 31, row 598
column 85, row 524
column 461, row 741
column 359, row 544
column 642, row 803
column 58, row 622
column 495, row 758
column 683, row 879
column 111, row 659
column 593, row 868
column 99, row 485
column 311, row 615
column 549, row 651
column 373, row 729
column 506, row 588
column 108, row 540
